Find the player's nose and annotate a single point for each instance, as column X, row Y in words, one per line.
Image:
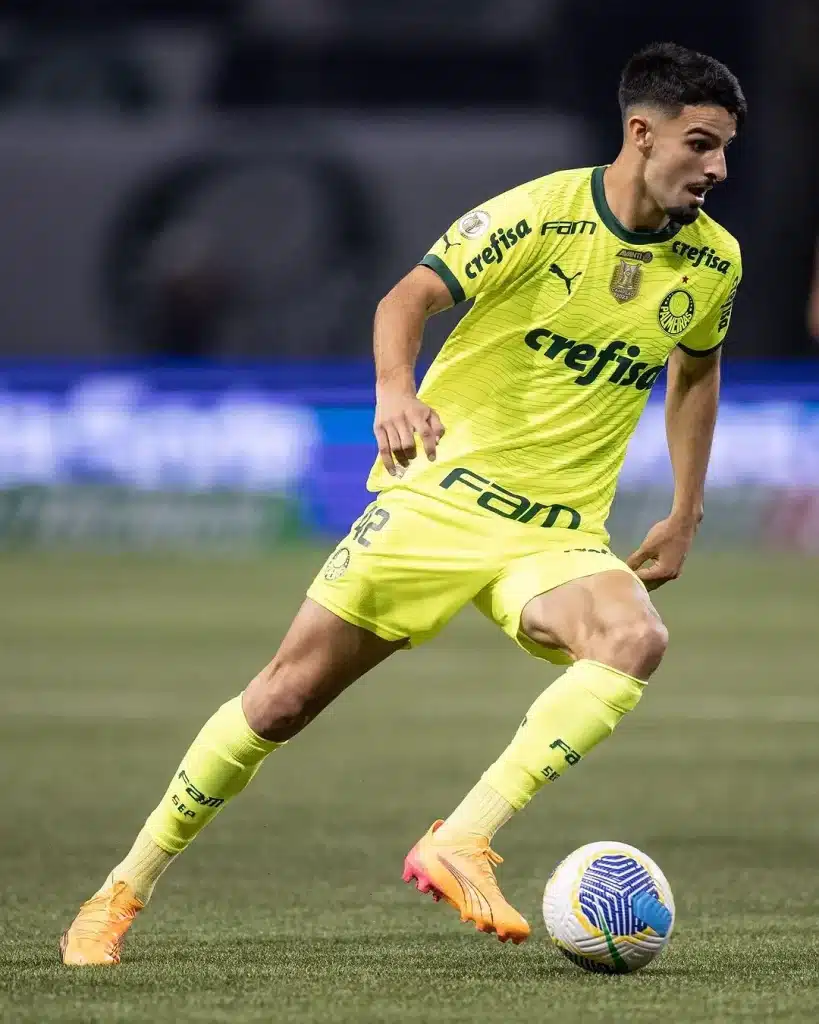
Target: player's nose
column 717, row 168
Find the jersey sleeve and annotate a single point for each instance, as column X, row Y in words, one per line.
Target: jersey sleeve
column 708, row 336
column 489, row 247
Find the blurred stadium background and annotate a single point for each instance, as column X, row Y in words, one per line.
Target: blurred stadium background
column 200, row 205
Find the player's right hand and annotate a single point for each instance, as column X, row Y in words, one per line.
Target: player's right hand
column 398, row 418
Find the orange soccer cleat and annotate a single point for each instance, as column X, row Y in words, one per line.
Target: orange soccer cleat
column 97, row 933
column 461, row 872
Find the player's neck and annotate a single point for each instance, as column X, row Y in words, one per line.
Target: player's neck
column 628, row 200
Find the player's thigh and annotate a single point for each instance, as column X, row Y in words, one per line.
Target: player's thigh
column 320, row 656
column 408, row 564
column 558, row 604
column 606, row 616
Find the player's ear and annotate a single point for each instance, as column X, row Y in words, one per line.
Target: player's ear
column 640, row 132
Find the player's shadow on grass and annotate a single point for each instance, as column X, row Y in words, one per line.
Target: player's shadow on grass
column 425, row 959
column 407, row 954
column 377, row 959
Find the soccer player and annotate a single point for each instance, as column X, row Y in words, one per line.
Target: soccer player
column 495, row 479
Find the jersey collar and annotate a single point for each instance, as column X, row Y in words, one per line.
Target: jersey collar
column 606, row 214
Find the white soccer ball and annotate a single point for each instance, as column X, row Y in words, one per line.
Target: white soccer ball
column 608, row 908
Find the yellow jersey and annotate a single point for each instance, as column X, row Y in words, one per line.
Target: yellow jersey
column 542, row 382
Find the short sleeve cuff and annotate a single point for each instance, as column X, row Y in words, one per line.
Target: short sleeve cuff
column 699, row 352
column 442, row 270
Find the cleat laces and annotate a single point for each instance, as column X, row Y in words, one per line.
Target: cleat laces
column 486, row 859
column 102, row 914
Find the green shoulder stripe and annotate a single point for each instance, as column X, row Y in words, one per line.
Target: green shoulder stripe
column 442, row 270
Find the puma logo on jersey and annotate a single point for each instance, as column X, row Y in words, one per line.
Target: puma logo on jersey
column 449, row 245
column 500, row 242
column 555, row 269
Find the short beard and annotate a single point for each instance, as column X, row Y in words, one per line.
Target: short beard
column 683, row 214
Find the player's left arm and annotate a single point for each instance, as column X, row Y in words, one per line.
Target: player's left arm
column 692, row 400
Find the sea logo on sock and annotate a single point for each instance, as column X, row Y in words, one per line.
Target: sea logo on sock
column 186, row 812
column 572, row 756
column 337, row 564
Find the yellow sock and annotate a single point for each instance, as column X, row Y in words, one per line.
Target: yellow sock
column 481, row 813
column 142, row 866
column 220, row 762
column 569, row 719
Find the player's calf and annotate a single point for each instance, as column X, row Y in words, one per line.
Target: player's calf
column 320, row 656
column 318, row 659
column 607, row 624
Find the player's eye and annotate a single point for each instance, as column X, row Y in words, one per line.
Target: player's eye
column 700, row 145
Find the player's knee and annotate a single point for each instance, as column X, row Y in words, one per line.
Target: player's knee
column 277, row 704
column 634, row 643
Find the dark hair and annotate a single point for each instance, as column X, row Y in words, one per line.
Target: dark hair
column 671, row 77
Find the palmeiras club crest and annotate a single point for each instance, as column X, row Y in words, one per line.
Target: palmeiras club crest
column 336, row 565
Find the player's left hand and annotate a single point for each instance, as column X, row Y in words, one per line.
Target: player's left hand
column 661, row 555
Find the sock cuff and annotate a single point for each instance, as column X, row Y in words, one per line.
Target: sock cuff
column 163, row 842
column 228, row 732
column 513, row 782
column 620, row 691
column 251, row 742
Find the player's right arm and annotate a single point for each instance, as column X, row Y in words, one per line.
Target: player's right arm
column 399, row 328
column 484, row 251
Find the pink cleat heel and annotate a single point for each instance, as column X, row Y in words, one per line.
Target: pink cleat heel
column 413, row 872
column 462, row 874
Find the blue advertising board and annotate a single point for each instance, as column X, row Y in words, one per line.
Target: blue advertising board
column 305, row 431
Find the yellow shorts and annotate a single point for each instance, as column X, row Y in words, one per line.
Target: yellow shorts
column 411, row 562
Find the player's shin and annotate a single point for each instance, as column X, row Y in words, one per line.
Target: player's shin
column 221, row 761
column 569, row 719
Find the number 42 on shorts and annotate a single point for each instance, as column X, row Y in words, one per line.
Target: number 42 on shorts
column 373, row 520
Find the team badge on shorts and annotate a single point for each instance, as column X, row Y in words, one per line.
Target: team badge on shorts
column 336, row 564
column 474, row 224
column 676, row 311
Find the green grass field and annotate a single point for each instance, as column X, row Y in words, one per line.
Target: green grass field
column 290, row 907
